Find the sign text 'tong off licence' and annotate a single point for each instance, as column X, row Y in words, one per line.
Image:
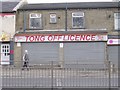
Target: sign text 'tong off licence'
column 42, row 38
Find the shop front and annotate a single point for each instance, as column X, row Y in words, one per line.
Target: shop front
column 63, row 47
column 113, row 51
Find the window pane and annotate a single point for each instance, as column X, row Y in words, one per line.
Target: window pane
column 117, row 21
column 53, row 18
column 117, row 15
column 77, row 21
column 35, row 22
column 118, row 24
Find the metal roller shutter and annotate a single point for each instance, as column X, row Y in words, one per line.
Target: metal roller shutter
column 89, row 52
column 113, row 53
column 40, row 53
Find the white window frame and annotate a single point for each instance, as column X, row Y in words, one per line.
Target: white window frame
column 53, row 18
column 117, row 21
column 78, row 15
column 37, row 16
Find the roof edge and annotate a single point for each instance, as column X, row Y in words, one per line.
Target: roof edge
column 75, row 5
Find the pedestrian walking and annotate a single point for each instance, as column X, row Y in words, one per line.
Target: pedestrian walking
column 25, row 60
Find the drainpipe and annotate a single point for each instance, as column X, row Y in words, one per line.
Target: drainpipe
column 66, row 17
column 24, row 21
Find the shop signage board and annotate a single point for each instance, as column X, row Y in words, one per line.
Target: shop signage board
column 113, row 41
column 59, row 37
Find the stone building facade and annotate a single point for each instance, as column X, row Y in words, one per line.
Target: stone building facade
column 67, row 32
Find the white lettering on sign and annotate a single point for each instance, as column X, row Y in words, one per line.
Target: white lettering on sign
column 60, row 37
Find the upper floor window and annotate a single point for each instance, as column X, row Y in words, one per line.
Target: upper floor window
column 35, row 21
column 53, row 18
column 78, row 20
column 117, row 21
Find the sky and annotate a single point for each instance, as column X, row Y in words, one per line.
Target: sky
column 10, row 0
column 57, row 1
column 61, row 1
